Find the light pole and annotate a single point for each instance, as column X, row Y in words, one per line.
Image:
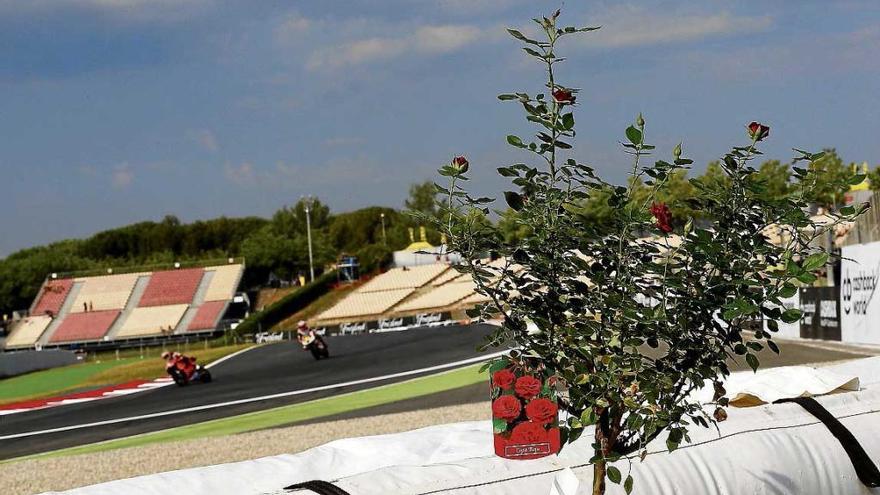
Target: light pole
column 307, row 201
column 384, row 239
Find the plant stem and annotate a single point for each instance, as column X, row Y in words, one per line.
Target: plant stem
column 599, row 477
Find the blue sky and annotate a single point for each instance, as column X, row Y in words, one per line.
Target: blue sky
column 115, row 111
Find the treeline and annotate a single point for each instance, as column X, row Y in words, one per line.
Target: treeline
column 276, row 246
column 279, row 245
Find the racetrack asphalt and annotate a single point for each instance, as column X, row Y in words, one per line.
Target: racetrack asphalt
column 265, row 370
column 286, row 367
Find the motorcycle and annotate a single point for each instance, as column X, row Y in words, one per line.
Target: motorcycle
column 316, row 345
column 183, row 374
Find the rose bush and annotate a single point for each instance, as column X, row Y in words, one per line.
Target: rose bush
column 633, row 314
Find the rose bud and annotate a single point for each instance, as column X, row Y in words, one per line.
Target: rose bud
column 461, row 164
column 758, row 131
column 563, row 96
column 720, row 414
column 663, row 216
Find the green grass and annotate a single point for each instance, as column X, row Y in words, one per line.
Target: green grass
column 50, row 383
column 47, row 382
column 289, row 414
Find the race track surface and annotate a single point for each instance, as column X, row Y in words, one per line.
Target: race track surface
column 285, row 367
column 262, row 371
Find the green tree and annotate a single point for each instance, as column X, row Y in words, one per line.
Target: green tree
column 831, row 175
column 422, row 198
column 775, row 179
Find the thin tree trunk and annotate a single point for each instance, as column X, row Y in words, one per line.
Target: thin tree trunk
column 600, row 466
column 599, row 478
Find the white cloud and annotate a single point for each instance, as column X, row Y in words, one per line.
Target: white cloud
column 242, row 174
column 853, row 52
column 125, row 10
column 292, row 27
column 425, row 40
column 122, row 176
column 629, row 26
column 205, row 139
column 443, row 39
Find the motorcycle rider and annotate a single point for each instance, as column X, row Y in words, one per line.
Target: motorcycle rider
column 169, row 360
column 303, row 331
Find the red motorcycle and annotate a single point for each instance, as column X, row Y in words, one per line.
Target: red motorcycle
column 185, row 371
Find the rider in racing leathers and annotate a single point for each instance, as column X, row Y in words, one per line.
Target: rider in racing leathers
column 303, row 331
column 186, row 364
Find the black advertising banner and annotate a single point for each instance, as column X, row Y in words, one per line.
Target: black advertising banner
column 821, row 313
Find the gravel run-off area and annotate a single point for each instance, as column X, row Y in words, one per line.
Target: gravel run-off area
column 62, row 473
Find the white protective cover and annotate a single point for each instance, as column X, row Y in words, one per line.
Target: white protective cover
column 763, row 450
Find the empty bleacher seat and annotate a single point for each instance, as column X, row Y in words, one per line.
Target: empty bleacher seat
column 153, row 320
column 439, row 297
column 224, row 282
column 105, row 292
column 207, row 316
column 172, row 287
column 451, row 275
column 78, row 327
column 401, row 278
column 52, row 297
column 26, row 332
column 363, row 304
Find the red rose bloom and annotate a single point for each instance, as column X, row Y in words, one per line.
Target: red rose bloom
column 503, row 379
column 758, row 131
column 528, row 432
column 506, row 407
column 563, row 96
column 541, row 411
column 527, row 387
column 460, row 163
column 663, row 216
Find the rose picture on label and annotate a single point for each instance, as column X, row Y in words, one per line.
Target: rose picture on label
column 525, row 417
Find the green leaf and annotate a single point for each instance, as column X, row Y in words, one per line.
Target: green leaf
column 589, row 417
column 848, row 210
column 518, row 35
column 507, row 172
column 791, row 315
column 856, row 179
column 628, row 484
column 514, row 200
column 568, row 121
column 787, row 291
column 753, row 361
column 533, row 53
column 634, row 135
column 508, row 96
column 499, row 425
column 815, row 261
column 613, row 474
column 773, row 347
column 515, row 141
column 807, row 278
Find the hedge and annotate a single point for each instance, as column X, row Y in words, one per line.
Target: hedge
column 287, row 305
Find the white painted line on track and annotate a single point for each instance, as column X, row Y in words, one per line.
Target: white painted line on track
column 224, row 358
column 256, row 399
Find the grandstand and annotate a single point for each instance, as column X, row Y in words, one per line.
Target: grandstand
column 115, row 309
column 406, row 292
